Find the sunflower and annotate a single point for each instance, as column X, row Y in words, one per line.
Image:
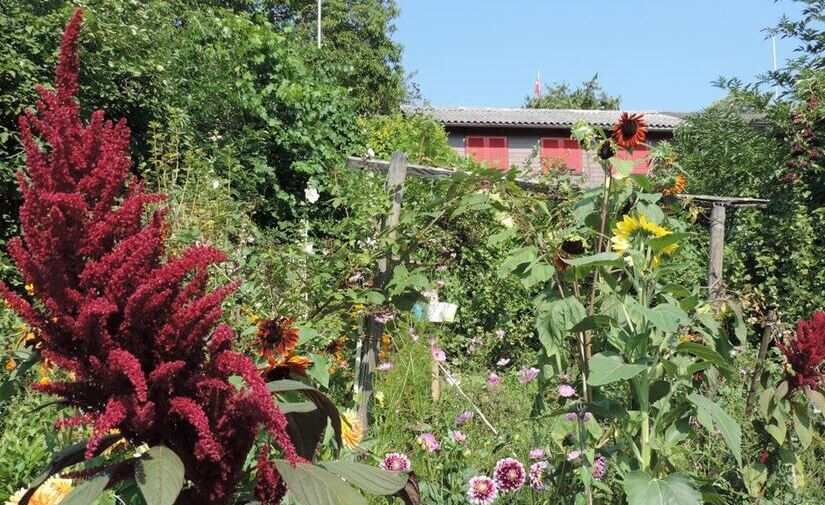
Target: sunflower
column 352, row 432
column 629, row 228
column 677, row 187
column 286, row 366
column 630, row 130
column 276, row 337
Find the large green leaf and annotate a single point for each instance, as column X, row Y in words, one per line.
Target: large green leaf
column 802, row 424
column 87, row 492
column 159, row 475
column 555, row 319
column 816, row 398
column 306, row 428
column 607, row 367
column 665, row 317
column 593, row 260
column 311, row 485
column 706, row 353
column 731, row 431
column 675, row 489
column 369, row 478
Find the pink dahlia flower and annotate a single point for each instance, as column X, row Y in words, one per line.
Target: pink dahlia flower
column 494, row 380
column 537, row 471
column 509, row 475
column 482, row 490
column 429, row 442
column 395, row 462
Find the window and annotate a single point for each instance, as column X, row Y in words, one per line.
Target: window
column 641, row 165
column 561, row 152
column 493, row 150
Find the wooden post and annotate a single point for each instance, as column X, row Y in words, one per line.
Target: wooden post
column 371, row 345
column 717, row 251
column 767, row 335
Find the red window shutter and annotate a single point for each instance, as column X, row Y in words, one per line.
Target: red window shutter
column 474, row 148
column 641, row 165
column 497, row 152
column 561, row 150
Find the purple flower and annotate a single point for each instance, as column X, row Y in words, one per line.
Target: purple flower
column 500, row 334
column 429, row 442
column 438, row 354
column 395, row 462
column 528, row 375
column 385, row 366
column 463, row 417
column 574, row 455
column 537, row 471
column 509, row 475
column 536, row 454
column 503, row 362
column 588, row 417
column 566, row 391
column 384, row 317
column 571, row 416
column 599, row 467
column 459, row 436
column 473, row 343
column 482, row 490
column 494, row 380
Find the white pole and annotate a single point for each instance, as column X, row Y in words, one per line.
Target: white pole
column 773, row 46
column 319, row 25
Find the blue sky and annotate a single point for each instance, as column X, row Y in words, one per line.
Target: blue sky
column 655, row 54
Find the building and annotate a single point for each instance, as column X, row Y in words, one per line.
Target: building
column 535, row 139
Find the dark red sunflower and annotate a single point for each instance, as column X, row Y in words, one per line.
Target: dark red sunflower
column 287, row 367
column 276, row 338
column 630, row 130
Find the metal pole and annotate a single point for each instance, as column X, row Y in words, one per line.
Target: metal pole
column 319, row 24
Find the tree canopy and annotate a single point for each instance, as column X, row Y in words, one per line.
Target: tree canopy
column 589, row 96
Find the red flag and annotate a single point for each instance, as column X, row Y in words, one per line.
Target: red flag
column 538, row 85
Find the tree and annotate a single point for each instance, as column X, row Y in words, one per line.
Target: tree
column 590, row 96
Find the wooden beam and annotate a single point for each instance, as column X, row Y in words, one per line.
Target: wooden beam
column 371, row 343
column 717, row 251
column 425, row 172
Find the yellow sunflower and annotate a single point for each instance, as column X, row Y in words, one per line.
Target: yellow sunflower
column 352, row 432
column 629, row 228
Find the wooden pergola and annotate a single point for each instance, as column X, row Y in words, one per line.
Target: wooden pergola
column 397, row 170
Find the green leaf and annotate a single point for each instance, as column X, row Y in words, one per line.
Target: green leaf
column 159, row 475
column 306, row 429
column 593, row 260
column 320, row 369
column 816, row 398
column 369, row 478
column 594, row 322
column 706, row 353
column 665, row 317
column 555, row 319
column 621, row 168
column 675, row 489
column 607, row 367
column 657, row 244
column 87, row 492
column 731, row 432
column 311, row 485
column 802, row 425
column 287, row 408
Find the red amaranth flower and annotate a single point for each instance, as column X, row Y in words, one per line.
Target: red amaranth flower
column 135, row 326
column 805, row 352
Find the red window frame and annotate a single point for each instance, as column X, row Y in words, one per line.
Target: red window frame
column 639, row 153
column 490, row 149
column 565, row 149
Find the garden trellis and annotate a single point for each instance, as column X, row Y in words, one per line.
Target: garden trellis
column 397, row 171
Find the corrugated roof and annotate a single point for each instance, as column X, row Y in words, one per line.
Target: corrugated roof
column 537, row 118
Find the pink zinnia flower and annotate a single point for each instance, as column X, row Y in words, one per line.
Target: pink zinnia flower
column 574, row 455
column 566, row 391
column 536, row 453
column 537, row 471
column 494, row 380
column 509, row 475
column 528, row 375
column 385, row 366
column 395, row 462
column 459, row 436
column 503, row 362
column 463, row 417
column 429, row 442
column 482, row 490
column 438, row 354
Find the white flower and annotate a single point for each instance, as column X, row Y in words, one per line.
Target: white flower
column 308, row 248
column 216, row 184
column 370, row 153
column 311, row 194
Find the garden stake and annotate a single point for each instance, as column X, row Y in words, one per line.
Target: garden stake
column 464, row 395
